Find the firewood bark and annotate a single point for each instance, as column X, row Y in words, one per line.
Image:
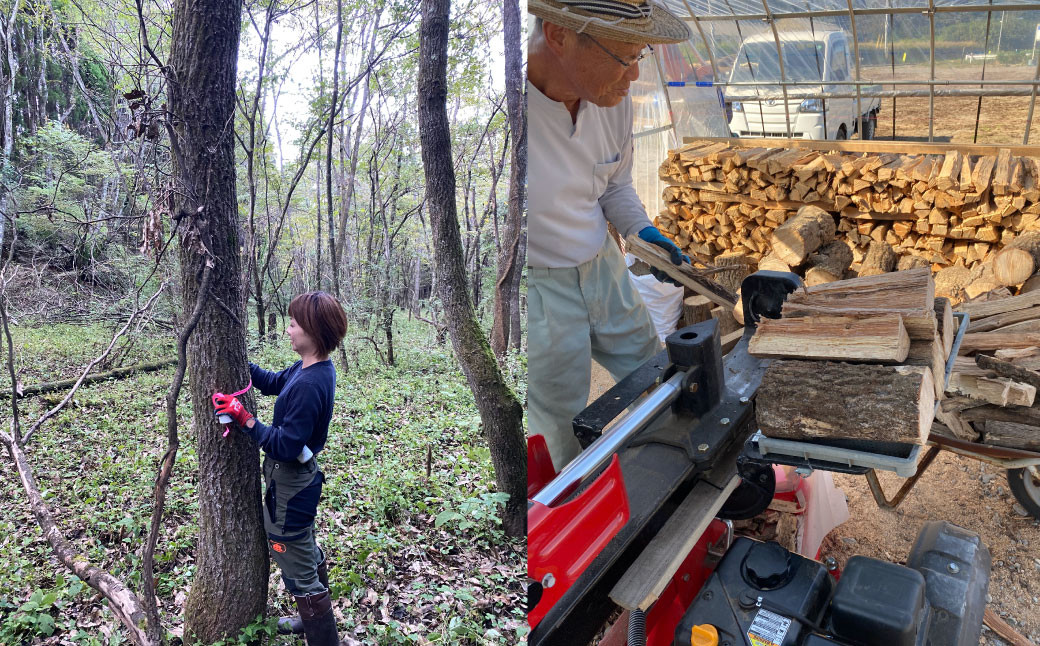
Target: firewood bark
column 1031, row 285
column 1012, row 435
column 881, row 338
column 950, row 282
column 912, row 289
column 803, row 234
column 945, row 321
column 772, row 262
column 911, row 262
column 828, row 263
column 696, row 308
column 991, row 308
column 880, row 259
column 1009, row 370
column 743, row 265
column 1017, row 414
column 813, row 399
column 998, row 321
column 985, row 341
column 923, row 353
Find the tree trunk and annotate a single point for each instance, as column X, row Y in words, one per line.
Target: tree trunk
column 500, row 412
column 7, row 88
column 388, row 331
column 514, row 295
column 229, row 589
column 330, row 129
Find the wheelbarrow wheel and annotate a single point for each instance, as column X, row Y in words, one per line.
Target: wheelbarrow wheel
column 1026, row 489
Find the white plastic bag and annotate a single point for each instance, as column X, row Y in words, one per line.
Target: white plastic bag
column 663, row 300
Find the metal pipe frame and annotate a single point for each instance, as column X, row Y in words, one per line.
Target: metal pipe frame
column 1025, row 82
column 859, row 98
column 783, row 76
column 879, row 11
column 613, row 439
column 941, row 93
column 931, row 59
column 1032, row 103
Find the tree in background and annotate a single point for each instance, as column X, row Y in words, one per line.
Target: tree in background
column 500, row 411
column 511, row 255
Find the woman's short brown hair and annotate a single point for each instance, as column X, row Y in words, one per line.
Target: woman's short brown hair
column 322, row 318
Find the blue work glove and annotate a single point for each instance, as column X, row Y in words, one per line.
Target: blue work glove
column 653, row 236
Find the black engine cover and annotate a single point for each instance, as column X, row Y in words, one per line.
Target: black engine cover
column 761, row 594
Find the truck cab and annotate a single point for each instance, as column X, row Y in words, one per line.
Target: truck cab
column 822, row 57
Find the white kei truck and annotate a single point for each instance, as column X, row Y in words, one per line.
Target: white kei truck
column 818, row 63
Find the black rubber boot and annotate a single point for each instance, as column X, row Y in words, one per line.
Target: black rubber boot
column 294, row 625
column 319, row 623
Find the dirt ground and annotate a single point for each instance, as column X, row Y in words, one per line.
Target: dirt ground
column 1002, row 120
column 965, row 492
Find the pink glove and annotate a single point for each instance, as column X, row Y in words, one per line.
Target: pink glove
column 230, row 406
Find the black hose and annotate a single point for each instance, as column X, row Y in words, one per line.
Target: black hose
column 637, row 628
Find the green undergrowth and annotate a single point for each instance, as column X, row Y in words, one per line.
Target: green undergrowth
column 408, row 518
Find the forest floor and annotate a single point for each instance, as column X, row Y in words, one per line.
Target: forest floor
column 413, row 559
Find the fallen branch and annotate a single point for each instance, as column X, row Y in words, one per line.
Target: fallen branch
column 86, row 371
column 685, row 273
column 169, row 459
column 117, row 373
column 121, row 600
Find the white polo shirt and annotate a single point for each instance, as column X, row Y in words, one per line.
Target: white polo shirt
column 579, row 176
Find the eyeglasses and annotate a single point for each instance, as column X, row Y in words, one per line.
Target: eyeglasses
column 622, row 62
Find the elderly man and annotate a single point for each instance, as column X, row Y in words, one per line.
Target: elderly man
column 582, row 57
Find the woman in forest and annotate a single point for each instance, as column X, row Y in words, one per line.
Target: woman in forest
column 292, row 478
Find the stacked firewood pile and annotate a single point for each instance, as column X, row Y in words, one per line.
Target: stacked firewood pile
column 992, row 390
column 866, row 358
column 861, row 358
column 837, row 215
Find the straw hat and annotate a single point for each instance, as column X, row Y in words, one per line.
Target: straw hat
column 630, row 21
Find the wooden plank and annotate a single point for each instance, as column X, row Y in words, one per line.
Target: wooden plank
column 1025, row 326
column 920, row 325
column 644, row 581
column 880, row 338
column 983, row 341
column 872, row 146
column 910, row 289
column 991, row 308
column 990, row 323
column 657, row 257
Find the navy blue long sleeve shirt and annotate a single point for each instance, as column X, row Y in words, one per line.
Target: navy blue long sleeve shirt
column 302, row 411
